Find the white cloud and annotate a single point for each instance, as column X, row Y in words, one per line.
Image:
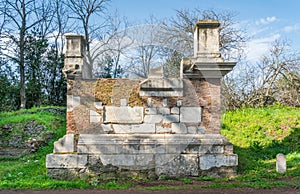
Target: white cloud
column 266, row 20
column 292, row 28
column 256, row 48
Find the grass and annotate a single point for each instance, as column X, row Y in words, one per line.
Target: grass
column 257, row 135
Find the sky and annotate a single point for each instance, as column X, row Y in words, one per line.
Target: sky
column 264, row 20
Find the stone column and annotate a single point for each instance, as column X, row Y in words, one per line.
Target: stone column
column 75, row 62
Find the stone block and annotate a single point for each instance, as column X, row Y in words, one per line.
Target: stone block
column 208, row 161
column 72, row 102
column 153, row 118
column 171, row 119
column 64, row 144
column 123, row 102
column 160, row 129
column 190, row 114
column 164, row 111
column 280, row 163
column 175, row 110
column 165, row 102
column 131, row 161
column 179, row 103
column 107, row 128
column 180, row 165
column 66, row 161
column 201, row 130
column 98, row 105
column 151, row 111
column 149, row 102
column 139, row 128
column 192, row 129
column 113, row 114
column 94, row 117
column 179, row 128
column 211, row 149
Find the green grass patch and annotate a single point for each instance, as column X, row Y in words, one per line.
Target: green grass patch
column 257, row 135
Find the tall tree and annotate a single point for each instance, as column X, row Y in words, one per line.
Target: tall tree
column 83, row 10
column 21, row 17
column 178, row 31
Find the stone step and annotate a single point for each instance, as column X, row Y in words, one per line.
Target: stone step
column 152, row 143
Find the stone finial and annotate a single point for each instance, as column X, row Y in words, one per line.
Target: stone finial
column 206, row 39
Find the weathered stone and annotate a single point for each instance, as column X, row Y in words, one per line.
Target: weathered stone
column 149, row 102
column 280, row 163
column 179, row 128
column 107, row 128
column 179, row 103
column 141, row 128
column 72, row 102
column 165, row 102
column 190, row 114
column 164, row 111
column 170, row 118
column 175, row 110
column 123, row 114
column 208, row 161
column 98, row 105
column 161, row 87
column 181, row 165
column 151, row 111
column 192, row 129
column 66, row 161
column 123, row 102
column 64, row 144
column 130, row 161
column 153, row 118
column 94, row 117
column 201, row 130
column 160, row 129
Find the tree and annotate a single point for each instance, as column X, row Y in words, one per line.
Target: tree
column 275, row 78
column 83, row 11
column 178, row 32
column 21, row 17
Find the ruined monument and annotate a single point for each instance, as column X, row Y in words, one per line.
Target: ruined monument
column 146, row 128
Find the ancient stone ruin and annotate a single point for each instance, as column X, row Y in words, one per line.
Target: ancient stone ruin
column 146, row 127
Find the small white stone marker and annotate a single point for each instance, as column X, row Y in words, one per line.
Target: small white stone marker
column 165, row 102
column 149, row 102
column 179, row 103
column 123, row 102
column 280, row 163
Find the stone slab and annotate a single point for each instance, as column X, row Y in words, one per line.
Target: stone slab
column 160, row 129
column 280, row 163
column 179, row 128
column 151, row 111
column 153, row 118
column 64, row 144
column 175, row 110
column 141, row 161
column 208, row 161
column 72, row 102
column 94, row 117
column 107, row 128
column 181, row 165
column 164, row 111
column 171, row 119
column 135, row 128
column 66, row 161
column 190, row 114
column 126, row 114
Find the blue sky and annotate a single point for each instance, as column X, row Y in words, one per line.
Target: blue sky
column 264, row 20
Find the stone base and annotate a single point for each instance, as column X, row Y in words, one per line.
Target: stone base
column 146, row 156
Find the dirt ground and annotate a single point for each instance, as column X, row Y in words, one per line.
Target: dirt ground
column 289, row 190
